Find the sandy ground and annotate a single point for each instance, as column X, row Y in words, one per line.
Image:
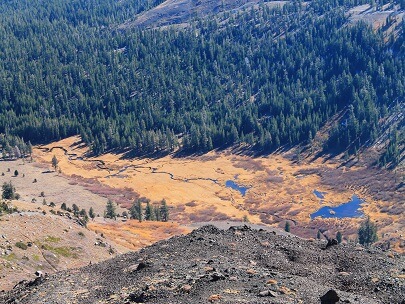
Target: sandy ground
column 54, row 186
column 54, row 243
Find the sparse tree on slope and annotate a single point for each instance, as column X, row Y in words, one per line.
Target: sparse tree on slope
column 8, row 191
column 110, row 210
column 287, row 226
column 149, row 214
column 136, row 210
column 367, row 232
column 164, row 211
column 75, row 209
column 156, row 211
column 55, row 162
column 91, row 213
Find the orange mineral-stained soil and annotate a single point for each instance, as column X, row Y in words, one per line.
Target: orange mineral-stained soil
column 135, row 235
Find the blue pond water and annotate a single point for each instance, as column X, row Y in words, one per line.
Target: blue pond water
column 319, row 194
column 235, row 186
column 349, row 209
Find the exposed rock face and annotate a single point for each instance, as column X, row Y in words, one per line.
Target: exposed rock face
column 233, row 266
column 331, row 297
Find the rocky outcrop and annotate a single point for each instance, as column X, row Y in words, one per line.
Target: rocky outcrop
column 242, row 265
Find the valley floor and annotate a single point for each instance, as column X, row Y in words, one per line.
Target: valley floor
column 277, row 188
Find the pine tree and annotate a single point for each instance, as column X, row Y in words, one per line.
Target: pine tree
column 164, row 211
column 110, row 210
column 8, row 191
column 29, row 148
column 156, row 211
column 91, row 213
column 149, row 214
column 83, row 212
column 75, row 209
column 287, row 226
column 55, row 162
column 136, row 210
column 367, row 232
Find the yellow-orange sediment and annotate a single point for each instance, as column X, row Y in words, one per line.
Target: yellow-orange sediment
column 273, row 182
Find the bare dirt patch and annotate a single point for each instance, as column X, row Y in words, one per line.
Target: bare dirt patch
column 31, row 241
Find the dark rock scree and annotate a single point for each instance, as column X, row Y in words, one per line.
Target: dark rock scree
column 239, row 265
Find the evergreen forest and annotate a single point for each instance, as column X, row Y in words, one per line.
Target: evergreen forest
column 262, row 78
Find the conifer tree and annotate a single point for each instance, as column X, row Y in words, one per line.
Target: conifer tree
column 367, row 232
column 136, row 210
column 91, row 213
column 55, row 162
column 164, row 211
column 110, row 210
column 287, row 226
column 149, row 214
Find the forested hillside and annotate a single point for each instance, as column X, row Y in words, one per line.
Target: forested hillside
column 264, row 77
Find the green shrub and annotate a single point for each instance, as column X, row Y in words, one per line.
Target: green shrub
column 52, row 239
column 21, row 245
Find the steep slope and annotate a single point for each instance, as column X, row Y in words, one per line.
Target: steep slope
column 183, row 11
column 261, row 79
column 33, row 241
column 239, row 265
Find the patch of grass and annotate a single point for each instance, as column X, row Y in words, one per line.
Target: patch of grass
column 64, row 251
column 21, row 245
column 35, row 257
column 52, row 239
column 10, row 257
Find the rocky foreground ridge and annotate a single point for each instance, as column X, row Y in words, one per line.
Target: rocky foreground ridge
column 238, row 265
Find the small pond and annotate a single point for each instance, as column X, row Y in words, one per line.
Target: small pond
column 235, row 186
column 319, row 194
column 349, row 209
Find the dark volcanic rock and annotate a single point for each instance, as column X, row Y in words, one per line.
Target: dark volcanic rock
column 331, row 297
column 239, row 265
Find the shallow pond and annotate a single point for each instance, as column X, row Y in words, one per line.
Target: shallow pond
column 235, row 186
column 349, row 209
column 319, row 194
